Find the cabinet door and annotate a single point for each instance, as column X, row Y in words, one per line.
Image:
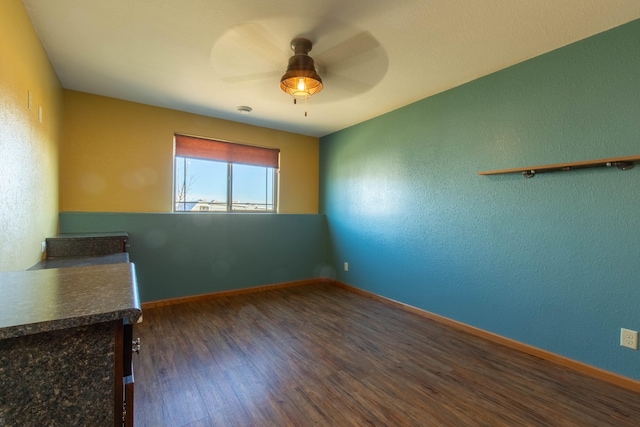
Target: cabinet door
column 128, row 400
column 118, row 387
column 127, row 373
column 63, row 377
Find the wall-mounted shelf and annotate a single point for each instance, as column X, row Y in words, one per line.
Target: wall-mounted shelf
column 622, row 163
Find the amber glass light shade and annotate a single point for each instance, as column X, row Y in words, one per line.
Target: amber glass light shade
column 301, row 79
column 301, row 86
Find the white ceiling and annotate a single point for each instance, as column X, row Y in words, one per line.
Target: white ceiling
column 210, row 56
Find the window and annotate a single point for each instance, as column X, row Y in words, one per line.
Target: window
column 221, row 176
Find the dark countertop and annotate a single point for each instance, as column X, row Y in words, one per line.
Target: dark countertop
column 81, row 261
column 59, row 298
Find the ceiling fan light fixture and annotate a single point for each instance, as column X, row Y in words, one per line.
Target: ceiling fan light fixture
column 301, row 80
column 299, row 85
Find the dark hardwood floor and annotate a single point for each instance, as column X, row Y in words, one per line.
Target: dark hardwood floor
column 319, row 355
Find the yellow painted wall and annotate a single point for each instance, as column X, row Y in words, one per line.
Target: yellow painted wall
column 28, row 148
column 117, row 156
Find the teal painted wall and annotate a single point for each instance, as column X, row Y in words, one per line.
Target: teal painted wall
column 552, row 261
column 179, row 255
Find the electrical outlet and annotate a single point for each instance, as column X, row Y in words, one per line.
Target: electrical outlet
column 346, row 266
column 629, row 338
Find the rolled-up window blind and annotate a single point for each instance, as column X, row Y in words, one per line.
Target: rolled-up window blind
column 209, row 149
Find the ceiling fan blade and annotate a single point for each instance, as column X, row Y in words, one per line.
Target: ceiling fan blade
column 254, row 38
column 345, row 84
column 267, row 75
column 356, row 74
column 245, row 50
column 349, row 48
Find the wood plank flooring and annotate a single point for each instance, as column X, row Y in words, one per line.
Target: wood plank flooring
column 320, row 355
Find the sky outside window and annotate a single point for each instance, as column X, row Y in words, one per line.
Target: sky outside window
column 206, row 180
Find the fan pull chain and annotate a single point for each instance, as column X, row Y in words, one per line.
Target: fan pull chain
column 295, row 102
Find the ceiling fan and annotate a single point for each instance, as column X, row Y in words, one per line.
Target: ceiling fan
column 301, row 79
column 348, row 62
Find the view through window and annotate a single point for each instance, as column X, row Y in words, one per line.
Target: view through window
column 216, row 176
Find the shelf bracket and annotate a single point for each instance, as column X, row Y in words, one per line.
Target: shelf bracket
column 623, row 166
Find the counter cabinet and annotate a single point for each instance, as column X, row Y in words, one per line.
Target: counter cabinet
column 66, row 346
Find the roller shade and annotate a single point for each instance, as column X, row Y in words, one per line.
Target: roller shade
column 209, row 149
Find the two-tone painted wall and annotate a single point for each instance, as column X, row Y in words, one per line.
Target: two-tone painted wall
column 30, row 118
column 117, row 175
column 553, row 261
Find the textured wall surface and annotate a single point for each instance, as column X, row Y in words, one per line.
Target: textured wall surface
column 117, row 156
column 178, row 255
column 551, row 261
column 28, row 147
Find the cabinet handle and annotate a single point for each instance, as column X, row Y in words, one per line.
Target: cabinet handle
column 136, row 346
